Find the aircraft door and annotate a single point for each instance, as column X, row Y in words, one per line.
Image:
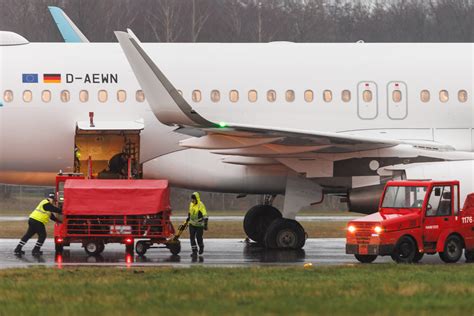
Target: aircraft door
column 397, row 101
column 438, row 213
column 367, row 100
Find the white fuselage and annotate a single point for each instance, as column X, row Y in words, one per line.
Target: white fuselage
column 37, row 138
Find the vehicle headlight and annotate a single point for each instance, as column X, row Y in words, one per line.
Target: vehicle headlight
column 378, row 229
column 351, row 228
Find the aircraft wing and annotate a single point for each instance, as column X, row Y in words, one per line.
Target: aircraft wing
column 69, row 31
column 238, row 139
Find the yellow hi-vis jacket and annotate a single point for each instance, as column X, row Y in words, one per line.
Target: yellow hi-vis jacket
column 197, row 212
column 40, row 214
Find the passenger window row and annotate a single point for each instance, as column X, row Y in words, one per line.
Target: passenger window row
column 215, row 96
column 65, row 96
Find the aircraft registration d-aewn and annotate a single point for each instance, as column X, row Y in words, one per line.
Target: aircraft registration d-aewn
column 298, row 119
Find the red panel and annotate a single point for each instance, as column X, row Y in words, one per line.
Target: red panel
column 115, row 197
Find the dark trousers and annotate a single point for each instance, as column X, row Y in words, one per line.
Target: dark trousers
column 34, row 227
column 196, row 233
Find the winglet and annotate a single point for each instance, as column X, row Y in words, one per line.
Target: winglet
column 167, row 104
column 69, row 31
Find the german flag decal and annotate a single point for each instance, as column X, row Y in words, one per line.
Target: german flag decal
column 51, row 78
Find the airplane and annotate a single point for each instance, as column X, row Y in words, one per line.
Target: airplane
column 299, row 119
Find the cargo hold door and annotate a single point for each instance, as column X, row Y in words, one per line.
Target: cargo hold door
column 103, row 142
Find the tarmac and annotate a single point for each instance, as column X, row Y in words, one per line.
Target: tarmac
column 218, row 253
column 222, row 218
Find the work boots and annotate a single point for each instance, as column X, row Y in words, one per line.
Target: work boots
column 201, row 250
column 18, row 251
column 36, row 251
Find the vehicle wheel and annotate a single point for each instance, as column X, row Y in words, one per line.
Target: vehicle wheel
column 59, row 248
column 92, row 247
column 469, row 255
column 174, row 247
column 452, row 249
column 257, row 220
column 366, row 258
column 418, row 257
column 285, row 233
column 101, row 247
column 141, row 247
column 405, row 250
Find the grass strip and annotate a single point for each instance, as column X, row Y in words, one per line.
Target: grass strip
column 382, row 289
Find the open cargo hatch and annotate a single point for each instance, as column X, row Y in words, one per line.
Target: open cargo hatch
column 108, row 145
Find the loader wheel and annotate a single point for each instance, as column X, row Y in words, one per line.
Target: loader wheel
column 141, row 247
column 405, row 250
column 257, row 220
column 59, row 248
column 366, row 258
column 452, row 250
column 92, row 247
column 469, row 256
column 174, row 247
column 129, row 249
column 285, row 233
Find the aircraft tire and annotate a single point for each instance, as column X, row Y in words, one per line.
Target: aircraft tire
column 366, row 258
column 405, row 250
column 257, row 220
column 452, row 249
column 285, row 233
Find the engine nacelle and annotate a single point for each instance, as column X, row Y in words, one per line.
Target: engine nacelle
column 365, row 200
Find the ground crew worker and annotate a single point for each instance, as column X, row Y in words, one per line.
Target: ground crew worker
column 77, row 159
column 118, row 164
column 197, row 219
column 36, row 224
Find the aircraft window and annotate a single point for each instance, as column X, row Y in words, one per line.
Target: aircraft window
column 46, row 96
column 215, row 96
column 83, row 95
column 327, row 95
column 252, row 96
column 65, row 96
column 290, row 95
column 308, row 95
column 27, row 96
column 121, row 95
column 271, row 95
column 196, row 95
column 140, row 96
column 8, row 96
column 234, row 95
column 346, row 95
column 397, row 96
column 444, row 96
column 462, row 96
column 425, row 96
column 103, row 96
column 367, row 96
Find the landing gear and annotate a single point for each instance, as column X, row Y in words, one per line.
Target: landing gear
column 285, row 233
column 257, row 220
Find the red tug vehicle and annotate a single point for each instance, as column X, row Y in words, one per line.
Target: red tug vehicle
column 98, row 212
column 415, row 218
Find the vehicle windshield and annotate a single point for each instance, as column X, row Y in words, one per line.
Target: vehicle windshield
column 404, row 197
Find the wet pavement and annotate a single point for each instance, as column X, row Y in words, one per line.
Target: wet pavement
column 219, row 252
column 230, row 218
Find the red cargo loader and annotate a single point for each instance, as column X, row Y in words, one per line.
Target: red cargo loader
column 415, row 218
column 98, row 212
